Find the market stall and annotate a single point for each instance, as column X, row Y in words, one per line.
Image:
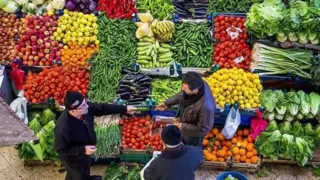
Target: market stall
column 258, row 58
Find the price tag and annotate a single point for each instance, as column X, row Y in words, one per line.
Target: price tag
column 238, row 59
column 233, row 32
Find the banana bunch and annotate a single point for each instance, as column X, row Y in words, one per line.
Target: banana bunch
column 163, row 30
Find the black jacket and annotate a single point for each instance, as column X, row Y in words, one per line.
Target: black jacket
column 72, row 134
column 175, row 165
column 198, row 118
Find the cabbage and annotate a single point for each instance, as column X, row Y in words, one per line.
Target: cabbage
column 282, row 102
column 299, row 116
column 48, row 128
column 281, row 37
column 303, row 37
column 293, row 103
column 269, row 99
column 308, row 130
column 285, row 128
column 279, row 116
column 11, row 7
column 297, row 129
column 288, row 117
column 304, row 102
column 317, row 136
column 35, row 125
column 268, row 144
column 287, row 146
column 314, row 103
column 272, row 126
column 302, row 150
column 293, row 37
column 47, row 115
column 269, row 115
column 3, row 3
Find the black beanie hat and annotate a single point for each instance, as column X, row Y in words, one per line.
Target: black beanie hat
column 171, row 135
column 73, row 100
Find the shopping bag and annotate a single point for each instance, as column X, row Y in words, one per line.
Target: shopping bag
column 232, row 123
column 258, row 124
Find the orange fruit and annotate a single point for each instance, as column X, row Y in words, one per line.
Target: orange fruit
column 214, row 152
column 223, row 143
column 228, row 144
column 239, row 138
column 239, row 133
column 249, row 155
column 205, row 152
column 244, row 144
column 242, row 152
column 237, row 158
column 205, row 142
column 221, row 153
column 250, row 146
column 239, row 144
column 243, row 158
column 220, row 137
column 214, row 158
column 254, row 159
column 215, row 148
column 221, row 159
column 210, row 135
column 206, row 137
column 225, row 148
column 208, row 156
column 216, row 143
column 245, row 132
column 255, row 152
column 215, row 131
column 248, row 161
column 234, row 140
column 229, row 153
column 250, row 140
column 235, row 150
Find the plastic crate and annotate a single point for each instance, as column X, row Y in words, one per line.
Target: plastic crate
column 135, row 158
column 215, row 14
column 163, row 113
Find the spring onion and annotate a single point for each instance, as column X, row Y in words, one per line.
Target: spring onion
column 108, row 140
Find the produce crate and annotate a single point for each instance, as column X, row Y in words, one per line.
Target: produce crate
column 212, row 165
column 137, row 156
column 215, row 14
column 246, row 167
column 38, row 162
column 314, row 162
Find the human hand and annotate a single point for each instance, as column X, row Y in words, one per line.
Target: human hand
column 161, row 107
column 179, row 125
column 90, row 150
column 131, row 109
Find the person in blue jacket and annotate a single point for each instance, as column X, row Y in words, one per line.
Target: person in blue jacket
column 75, row 139
column 177, row 161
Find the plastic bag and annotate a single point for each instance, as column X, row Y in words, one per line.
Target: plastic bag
column 232, row 123
column 258, row 124
column 17, row 76
column 19, row 106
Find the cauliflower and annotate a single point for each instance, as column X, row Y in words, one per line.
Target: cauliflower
column 37, row 2
column 29, row 8
column 49, row 7
column 58, row 4
column 21, row 2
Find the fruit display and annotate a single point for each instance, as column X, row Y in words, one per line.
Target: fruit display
column 163, row 30
column 76, row 55
column 54, row 82
column 10, row 26
column 36, row 45
column 78, row 28
column 152, row 54
column 240, row 148
column 229, row 86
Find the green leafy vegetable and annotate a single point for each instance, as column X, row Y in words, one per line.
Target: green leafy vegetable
column 297, row 129
column 293, row 104
column 303, row 151
column 287, row 146
column 308, row 130
column 272, row 126
column 285, row 128
column 304, row 102
column 47, row 116
column 268, row 144
column 315, row 103
column 269, row 100
column 35, row 125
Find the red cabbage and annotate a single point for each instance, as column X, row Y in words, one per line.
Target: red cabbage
column 76, row 1
column 92, row 6
column 70, row 6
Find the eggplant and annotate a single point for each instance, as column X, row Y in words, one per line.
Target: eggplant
column 145, row 84
column 125, row 94
column 125, row 82
column 146, row 79
column 122, row 91
column 135, row 99
column 144, row 91
column 127, row 71
column 139, row 76
column 136, row 95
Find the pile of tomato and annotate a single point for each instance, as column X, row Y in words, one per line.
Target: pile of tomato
column 54, row 82
column 136, row 134
column 231, row 52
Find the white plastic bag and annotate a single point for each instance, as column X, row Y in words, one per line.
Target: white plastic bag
column 19, row 106
column 232, row 123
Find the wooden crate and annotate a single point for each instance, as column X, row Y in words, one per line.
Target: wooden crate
column 212, row 165
column 246, row 167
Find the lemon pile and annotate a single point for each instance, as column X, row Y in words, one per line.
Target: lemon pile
column 234, row 85
column 78, row 28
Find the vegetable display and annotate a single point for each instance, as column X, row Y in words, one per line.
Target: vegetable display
column 108, row 140
column 10, row 27
column 191, row 9
column 294, row 143
column 159, row 8
column 152, row 54
column 54, row 82
column 241, row 147
column 9, row 6
column 122, row 9
column 75, row 55
column 85, row 6
column 134, row 88
column 163, row 30
column 78, row 28
column 194, row 48
column 234, row 85
column 290, row 106
column 36, row 45
column 116, row 51
column 119, row 172
column 315, row 73
column 163, row 89
column 271, row 60
column 229, row 6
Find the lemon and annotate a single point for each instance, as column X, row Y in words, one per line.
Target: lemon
column 254, row 105
column 256, row 99
column 55, row 34
column 59, row 30
column 97, row 42
column 246, row 94
column 228, row 92
column 241, row 101
column 58, row 38
column 251, row 101
column 242, row 106
column 230, row 88
column 221, row 104
column 239, row 82
column 236, row 98
column 64, row 41
column 74, row 34
column 248, row 106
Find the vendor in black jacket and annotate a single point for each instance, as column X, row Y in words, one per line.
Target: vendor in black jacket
column 177, row 161
column 75, row 138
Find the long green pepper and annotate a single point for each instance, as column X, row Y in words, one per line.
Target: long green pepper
column 158, row 8
column 163, row 89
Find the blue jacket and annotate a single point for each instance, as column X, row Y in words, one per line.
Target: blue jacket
column 175, row 165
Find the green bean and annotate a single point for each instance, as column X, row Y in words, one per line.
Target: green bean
column 229, row 6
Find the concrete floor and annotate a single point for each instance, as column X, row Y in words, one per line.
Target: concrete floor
column 12, row 168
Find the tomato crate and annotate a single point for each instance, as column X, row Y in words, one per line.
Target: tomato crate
column 246, row 167
column 215, row 14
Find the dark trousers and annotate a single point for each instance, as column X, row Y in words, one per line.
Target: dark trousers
column 193, row 141
column 77, row 169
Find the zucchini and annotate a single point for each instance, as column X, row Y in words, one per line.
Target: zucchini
column 142, row 48
column 163, row 50
column 149, row 51
column 166, row 46
column 142, row 62
column 165, row 60
column 144, row 58
column 167, row 55
column 147, row 39
column 142, row 52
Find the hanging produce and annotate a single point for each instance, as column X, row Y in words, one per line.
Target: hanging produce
column 134, row 88
column 191, row 9
column 10, row 27
column 229, row 6
column 241, row 147
column 271, row 60
column 290, row 106
column 85, row 6
column 152, row 54
column 117, row 50
column 75, row 55
column 76, row 27
column 121, row 9
column 193, row 43
column 234, row 85
column 159, row 8
column 54, row 82
column 36, row 45
column 163, row 89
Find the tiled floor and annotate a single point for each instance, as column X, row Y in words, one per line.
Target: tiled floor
column 12, row 168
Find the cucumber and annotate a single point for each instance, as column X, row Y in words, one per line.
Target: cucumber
column 142, row 62
column 142, row 48
column 142, row 52
column 167, row 55
column 148, row 58
column 147, row 40
column 166, row 46
column 162, row 50
column 143, row 44
column 149, row 51
column 166, row 60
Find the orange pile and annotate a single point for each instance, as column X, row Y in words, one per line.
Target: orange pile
column 76, row 55
column 240, row 147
